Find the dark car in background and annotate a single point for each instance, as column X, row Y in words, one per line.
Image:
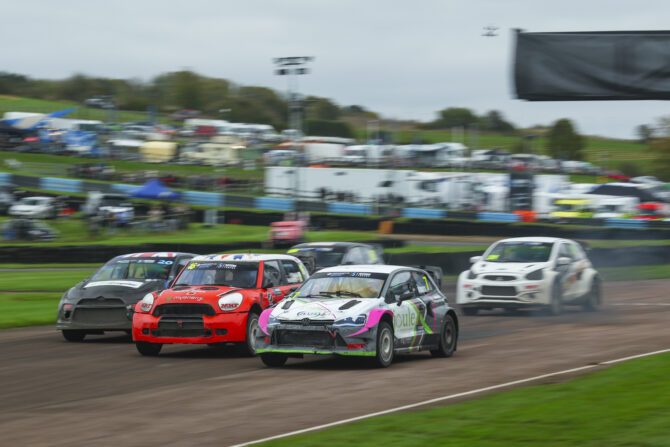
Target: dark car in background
column 319, row 255
column 105, row 301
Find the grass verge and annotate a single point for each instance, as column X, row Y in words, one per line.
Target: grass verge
column 624, row 405
column 28, row 309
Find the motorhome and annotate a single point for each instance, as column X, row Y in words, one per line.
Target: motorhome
column 159, row 151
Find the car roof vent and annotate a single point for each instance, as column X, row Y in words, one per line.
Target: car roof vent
column 208, row 288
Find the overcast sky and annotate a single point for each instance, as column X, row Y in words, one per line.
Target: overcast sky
column 403, row 59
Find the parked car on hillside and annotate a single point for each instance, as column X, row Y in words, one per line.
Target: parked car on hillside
column 28, row 230
column 531, row 272
column 36, row 207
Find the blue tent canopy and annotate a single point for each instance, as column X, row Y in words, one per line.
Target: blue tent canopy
column 154, row 189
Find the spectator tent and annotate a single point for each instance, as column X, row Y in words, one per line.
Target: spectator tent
column 153, row 189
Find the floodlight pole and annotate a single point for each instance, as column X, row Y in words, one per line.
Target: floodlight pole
column 293, row 67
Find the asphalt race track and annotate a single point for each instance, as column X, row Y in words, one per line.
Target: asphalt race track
column 102, row 392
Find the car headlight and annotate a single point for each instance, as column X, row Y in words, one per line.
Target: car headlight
column 535, row 275
column 230, row 302
column 350, row 321
column 472, row 275
column 147, row 302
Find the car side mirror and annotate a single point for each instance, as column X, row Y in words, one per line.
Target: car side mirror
column 475, row 259
column 563, row 260
column 292, row 289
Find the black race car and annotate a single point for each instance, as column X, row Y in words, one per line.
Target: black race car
column 320, row 255
column 105, row 301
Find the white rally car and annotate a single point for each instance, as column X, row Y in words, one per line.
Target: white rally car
column 516, row 273
column 360, row 310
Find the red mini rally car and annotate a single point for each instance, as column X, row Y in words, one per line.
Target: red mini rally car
column 215, row 299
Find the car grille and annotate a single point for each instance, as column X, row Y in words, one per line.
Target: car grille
column 101, row 302
column 170, row 326
column 498, row 291
column 102, row 315
column 184, row 309
column 307, row 322
column 317, row 339
column 499, row 278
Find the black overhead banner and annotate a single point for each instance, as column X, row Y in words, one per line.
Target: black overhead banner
column 583, row 66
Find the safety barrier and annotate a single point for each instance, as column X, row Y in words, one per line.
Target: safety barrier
column 60, row 184
column 349, row 208
column 5, row 177
column 424, row 213
column 202, row 198
column 626, row 223
column 269, row 203
column 124, row 187
column 498, row 217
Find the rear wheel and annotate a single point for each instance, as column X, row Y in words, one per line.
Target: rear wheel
column 594, row 297
column 448, row 338
column 72, row 335
column 556, row 304
column 249, row 346
column 384, row 355
column 148, row 349
column 273, row 359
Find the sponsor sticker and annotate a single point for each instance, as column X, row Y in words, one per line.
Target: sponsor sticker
column 132, row 284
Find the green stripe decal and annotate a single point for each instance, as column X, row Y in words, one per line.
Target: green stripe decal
column 423, row 322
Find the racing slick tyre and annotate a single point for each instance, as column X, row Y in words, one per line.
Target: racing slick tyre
column 273, row 359
column 384, row 355
column 556, row 304
column 148, row 349
column 72, row 335
column 248, row 348
column 448, row 338
column 470, row 311
column 594, row 297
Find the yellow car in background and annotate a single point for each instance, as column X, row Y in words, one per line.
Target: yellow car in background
column 572, row 208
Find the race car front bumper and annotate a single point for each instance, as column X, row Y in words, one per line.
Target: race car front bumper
column 95, row 315
column 220, row 328
column 320, row 340
column 492, row 294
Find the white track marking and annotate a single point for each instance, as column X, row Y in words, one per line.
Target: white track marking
column 451, row 396
column 641, row 304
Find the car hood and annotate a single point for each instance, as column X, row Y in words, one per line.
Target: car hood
column 131, row 291
column 483, row 267
column 323, row 309
column 194, row 294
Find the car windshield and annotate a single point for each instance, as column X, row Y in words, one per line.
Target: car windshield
column 520, row 252
column 135, row 268
column 324, row 256
column 343, row 284
column 31, row 201
column 232, row 274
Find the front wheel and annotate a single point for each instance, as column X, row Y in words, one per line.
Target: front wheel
column 249, row 346
column 556, row 304
column 448, row 338
column 148, row 349
column 273, row 359
column 384, row 355
column 72, row 335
